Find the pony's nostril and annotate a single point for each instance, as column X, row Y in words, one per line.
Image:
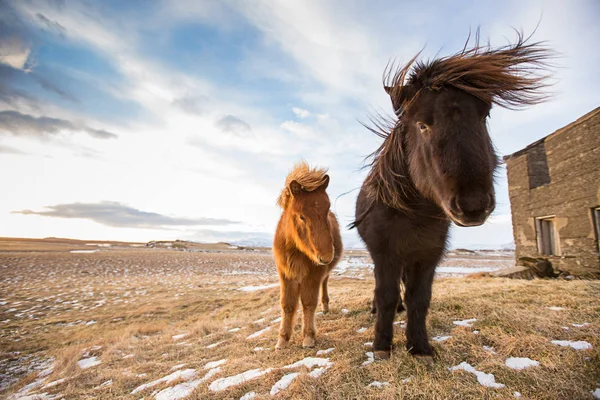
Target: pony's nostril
column 454, row 207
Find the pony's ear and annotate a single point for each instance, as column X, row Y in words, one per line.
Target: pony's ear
column 295, row 188
column 325, row 182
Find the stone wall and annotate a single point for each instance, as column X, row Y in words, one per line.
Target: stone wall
column 572, row 158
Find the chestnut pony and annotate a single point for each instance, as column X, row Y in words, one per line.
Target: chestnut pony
column 436, row 165
column 307, row 246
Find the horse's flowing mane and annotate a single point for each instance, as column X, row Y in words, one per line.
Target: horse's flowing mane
column 309, row 178
column 510, row 76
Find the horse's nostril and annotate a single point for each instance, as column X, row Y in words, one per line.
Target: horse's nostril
column 454, row 207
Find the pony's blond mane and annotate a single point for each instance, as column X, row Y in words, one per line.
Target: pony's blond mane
column 309, row 178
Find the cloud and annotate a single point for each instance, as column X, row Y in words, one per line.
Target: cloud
column 300, row 112
column 193, row 105
column 14, row 53
column 118, row 215
column 10, row 150
column 231, row 124
column 18, row 124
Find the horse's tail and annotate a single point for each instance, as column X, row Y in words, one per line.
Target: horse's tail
column 361, row 217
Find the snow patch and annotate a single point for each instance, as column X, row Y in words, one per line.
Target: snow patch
column 581, row 325
column 370, row 358
column 257, row 288
column 83, row 251
column 179, row 337
column 225, row 383
column 520, row 363
column 257, row 334
column 234, row 329
column 185, row 375
column 361, row 330
column 596, row 393
column 487, row 380
column 310, row 362
column 378, row 384
column 440, row 338
column 88, row 362
column 327, row 351
column 214, row 364
column 554, row 308
column 248, row 396
column 465, row 322
column 579, row 345
column 283, row 383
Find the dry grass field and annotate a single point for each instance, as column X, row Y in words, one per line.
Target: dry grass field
column 122, row 321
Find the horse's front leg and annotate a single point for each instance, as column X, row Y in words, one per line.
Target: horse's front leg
column 325, row 295
column 290, row 290
column 387, row 295
column 309, row 295
column 419, row 279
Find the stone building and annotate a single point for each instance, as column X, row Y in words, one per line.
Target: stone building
column 554, row 190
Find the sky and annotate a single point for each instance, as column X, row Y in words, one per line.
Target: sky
column 162, row 120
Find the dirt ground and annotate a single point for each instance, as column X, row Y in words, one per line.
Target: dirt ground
column 108, row 320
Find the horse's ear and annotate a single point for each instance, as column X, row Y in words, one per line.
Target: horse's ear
column 401, row 97
column 295, row 188
column 388, row 89
column 325, row 182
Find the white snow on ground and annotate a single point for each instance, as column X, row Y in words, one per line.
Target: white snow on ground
column 128, row 356
column 214, row 364
column 345, row 311
column 475, row 332
column 581, row 325
column 104, row 384
column 440, row 338
column 487, row 380
column 257, row 288
column 257, row 334
column 178, row 366
column 88, row 362
column 179, row 337
column 517, row 395
column 317, row 372
column 210, row 346
column 554, row 308
column 92, row 322
column 83, row 251
column 185, row 375
column 368, row 344
column 184, row 389
column 54, row 383
column 327, row 351
column 370, row 358
column 520, row 363
column 248, row 396
column 596, row 393
column 258, row 349
column 406, row 380
column 489, row 349
column 311, row 362
column 378, row 384
column 234, row 329
column 225, row 383
column 465, row 322
column 361, row 330
column 278, row 319
column 464, row 270
column 283, row 383
column 579, row 345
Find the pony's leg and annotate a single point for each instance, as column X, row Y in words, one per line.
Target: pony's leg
column 325, row 295
column 309, row 295
column 419, row 279
column 387, row 294
column 399, row 309
column 290, row 291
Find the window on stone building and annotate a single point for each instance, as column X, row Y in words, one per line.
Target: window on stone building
column 546, row 236
column 596, row 215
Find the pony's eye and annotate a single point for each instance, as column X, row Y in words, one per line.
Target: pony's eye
column 422, row 127
column 302, row 218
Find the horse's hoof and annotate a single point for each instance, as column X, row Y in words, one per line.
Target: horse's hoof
column 426, row 360
column 382, row 354
column 308, row 342
column 325, row 309
column 282, row 343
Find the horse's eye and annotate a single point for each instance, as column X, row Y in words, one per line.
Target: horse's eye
column 422, row 127
column 302, row 218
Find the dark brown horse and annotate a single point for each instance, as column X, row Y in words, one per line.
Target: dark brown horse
column 307, row 246
column 436, row 165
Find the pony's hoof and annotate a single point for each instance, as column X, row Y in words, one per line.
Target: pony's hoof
column 426, row 360
column 308, row 342
column 325, row 309
column 282, row 343
column 382, row 354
